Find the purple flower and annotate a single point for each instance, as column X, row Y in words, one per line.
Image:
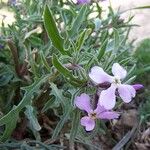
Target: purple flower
column 138, row 87
column 83, row 1
column 108, row 97
column 83, row 103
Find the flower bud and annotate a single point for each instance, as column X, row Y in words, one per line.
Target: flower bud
column 83, row 1
column 138, row 87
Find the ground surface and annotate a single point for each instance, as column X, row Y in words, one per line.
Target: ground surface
column 142, row 17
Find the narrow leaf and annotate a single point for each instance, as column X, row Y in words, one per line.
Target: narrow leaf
column 82, row 37
column 61, row 68
column 32, row 118
column 78, row 21
column 116, row 40
column 62, row 121
column 102, row 49
column 65, row 72
column 44, row 61
column 49, row 104
column 52, row 31
column 75, row 125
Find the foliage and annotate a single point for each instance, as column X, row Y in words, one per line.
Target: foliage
column 142, row 53
column 143, row 63
column 48, row 52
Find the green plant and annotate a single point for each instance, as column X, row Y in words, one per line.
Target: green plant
column 48, row 53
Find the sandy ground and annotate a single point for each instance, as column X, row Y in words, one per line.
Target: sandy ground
column 142, row 17
column 6, row 16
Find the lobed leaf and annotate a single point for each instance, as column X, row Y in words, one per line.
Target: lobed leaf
column 12, row 116
column 32, row 118
column 62, row 121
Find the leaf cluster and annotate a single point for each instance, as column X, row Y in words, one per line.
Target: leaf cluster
column 48, row 52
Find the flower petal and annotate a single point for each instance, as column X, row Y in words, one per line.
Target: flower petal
column 99, row 109
column 83, row 102
column 108, row 98
column 108, row 115
column 98, row 75
column 119, row 71
column 126, row 92
column 83, row 1
column 88, row 123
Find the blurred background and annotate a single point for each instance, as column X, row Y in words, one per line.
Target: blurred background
column 141, row 18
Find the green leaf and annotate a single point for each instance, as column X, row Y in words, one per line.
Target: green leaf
column 129, row 81
column 32, row 118
column 64, row 71
column 116, row 40
column 142, row 52
column 143, row 70
column 12, row 116
column 75, row 124
column 102, row 49
column 36, row 41
column 6, row 74
column 10, row 125
column 30, row 90
column 44, row 61
column 78, row 21
column 82, row 37
column 141, row 7
column 5, row 78
column 57, row 93
column 131, row 72
column 52, row 31
column 60, row 67
column 49, row 104
column 99, row 8
column 62, row 121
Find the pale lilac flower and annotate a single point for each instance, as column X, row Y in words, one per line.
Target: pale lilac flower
column 108, row 97
column 83, row 103
column 83, row 1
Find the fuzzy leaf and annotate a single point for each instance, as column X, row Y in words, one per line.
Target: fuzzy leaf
column 57, row 93
column 32, row 118
column 62, row 121
column 102, row 49
column 13, row 114
column 52, row 31
column 67, row 73
column 82, row 37
column 78, row 21
column 75, row 124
